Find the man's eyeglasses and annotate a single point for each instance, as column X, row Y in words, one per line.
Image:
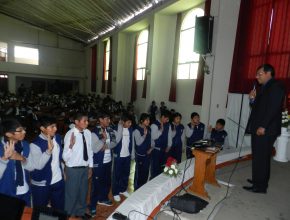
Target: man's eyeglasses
column 260, row 73
column 22, row 129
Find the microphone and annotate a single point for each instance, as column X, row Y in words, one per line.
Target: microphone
column 252, row 99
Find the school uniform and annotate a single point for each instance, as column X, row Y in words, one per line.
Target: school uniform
column 78, row 160
column 142, row 143
column 193, row 134
column 14, row 175
column 153, row 109
column 122, row 160
column 47, row 182
column 219, row 137
column 102, row 164
column 177, row 141
column 161, row 139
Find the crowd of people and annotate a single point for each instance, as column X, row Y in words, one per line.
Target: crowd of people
column 98, row 140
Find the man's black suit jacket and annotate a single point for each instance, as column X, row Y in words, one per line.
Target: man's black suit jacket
column 267, row 109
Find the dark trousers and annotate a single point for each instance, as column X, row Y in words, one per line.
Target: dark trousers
column 157, row 162
column 76, row 188
column 176, row 152
column 26, row 197
column 121, row 172
column 42, row 195
column 261, row 160
column 101, row 184
column 141, row 171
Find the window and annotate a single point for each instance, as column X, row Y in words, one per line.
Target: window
column 107, row 67
column 187, row 59
column 141, row 53
column 3, row 82
column 26, row 55
column 3, row 51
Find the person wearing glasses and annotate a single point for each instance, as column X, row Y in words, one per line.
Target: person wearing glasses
column 15, row 161
column 264, row 125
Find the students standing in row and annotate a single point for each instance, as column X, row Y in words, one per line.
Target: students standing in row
column 194, row 131
column 47, row 181
column 143, row 149
column 161, row 142
column 15, row 161
column 78, row 157
column 122, row 157
column 177, row 137
column 103, row 140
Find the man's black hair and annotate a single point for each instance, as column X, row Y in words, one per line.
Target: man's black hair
column 221, row 121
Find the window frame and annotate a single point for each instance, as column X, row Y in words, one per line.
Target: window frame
column 4, row 52
column 23, row 59
column 193, row 62
column 143, row 68
column 107, row 64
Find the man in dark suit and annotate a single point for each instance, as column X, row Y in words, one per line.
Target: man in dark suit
column 264, row 125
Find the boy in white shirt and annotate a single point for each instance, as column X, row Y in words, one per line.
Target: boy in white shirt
column 122, row 157
column 78, row 157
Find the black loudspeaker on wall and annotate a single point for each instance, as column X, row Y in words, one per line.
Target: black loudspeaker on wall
column 203, row 34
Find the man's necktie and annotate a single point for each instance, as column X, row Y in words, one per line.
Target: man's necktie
column 85, row 147
column 18, row 166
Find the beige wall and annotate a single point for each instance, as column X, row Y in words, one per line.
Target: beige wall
column 59, row 57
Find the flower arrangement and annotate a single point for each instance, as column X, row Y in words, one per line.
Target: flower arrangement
column 171, row 167
column 285, row 119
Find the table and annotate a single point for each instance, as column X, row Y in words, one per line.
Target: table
column 204, row 171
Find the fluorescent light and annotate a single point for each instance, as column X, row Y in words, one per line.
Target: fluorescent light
column 126, row 19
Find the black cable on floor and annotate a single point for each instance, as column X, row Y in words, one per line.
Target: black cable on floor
column 228, row 185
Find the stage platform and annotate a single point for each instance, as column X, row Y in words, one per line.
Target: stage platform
column 148, row 200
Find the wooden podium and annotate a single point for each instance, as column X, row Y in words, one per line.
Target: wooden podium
column 204, row 171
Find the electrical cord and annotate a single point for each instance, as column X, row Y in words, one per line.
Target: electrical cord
column 128, row 217
column 183, row 177
column 229, row 180
column 183, row 188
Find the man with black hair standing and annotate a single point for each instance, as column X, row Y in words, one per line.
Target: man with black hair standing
column 264, row 125
column 103, row 140
column 78, row 158
column 161, row 139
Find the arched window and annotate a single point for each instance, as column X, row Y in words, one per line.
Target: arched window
column 108, row 52
column 141, row 53
column 188, row 60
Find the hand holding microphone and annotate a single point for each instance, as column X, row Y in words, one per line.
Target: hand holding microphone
column 252, row 94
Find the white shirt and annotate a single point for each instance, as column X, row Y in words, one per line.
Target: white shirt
column 55, row 168
column 107, row 153
column 20, row 190
column 73, row 157
column 41, row 159
column 125, row 143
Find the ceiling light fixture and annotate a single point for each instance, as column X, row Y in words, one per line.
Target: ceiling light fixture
column 123, row 21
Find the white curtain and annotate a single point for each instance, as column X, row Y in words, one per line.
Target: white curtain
column 237, row 120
